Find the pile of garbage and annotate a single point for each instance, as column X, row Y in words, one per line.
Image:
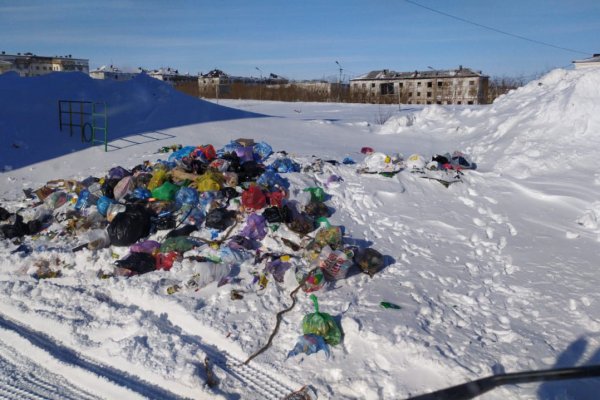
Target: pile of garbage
column 445, row 168
column 210, row 212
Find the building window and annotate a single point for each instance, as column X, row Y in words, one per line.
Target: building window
column 429, row 84
column 471, row 83
column 410, row 94
column 418, row 94
column 470, row 102
column 428, row 94
column 459, row 102
column 372, row 85
column 418, row 83
column 439, row 84
column 401, row 84
column 409, row 102
column 438, row 102
column 428, row 102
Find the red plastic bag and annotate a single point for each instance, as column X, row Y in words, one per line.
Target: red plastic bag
column 165, row 260
column 253, row 198
column 276, row 198
column 208, row 151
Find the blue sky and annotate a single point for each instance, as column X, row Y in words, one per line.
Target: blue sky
column 303, row 39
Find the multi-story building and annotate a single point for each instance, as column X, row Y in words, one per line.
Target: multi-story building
column 113, row 73
column 171, row 76
column 29, row 64
column 455, row 86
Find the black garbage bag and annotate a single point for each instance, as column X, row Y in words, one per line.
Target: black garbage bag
column 250, row 170
column 277, row 214
column 130, row 225
column 138, row 262
column 183, row 231
column 302, row 224
column 369, row 260
column 4, row 214
column 198, row 167
column 108, row 187
column 234, row 161
column 230, row 193
column 16, row 229
column 317, row 209
column 165, row 222
column 219, row 218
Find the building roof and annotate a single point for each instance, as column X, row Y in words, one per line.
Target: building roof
column 391, row 75
column 594, row 58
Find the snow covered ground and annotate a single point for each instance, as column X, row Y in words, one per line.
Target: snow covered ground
column 497, row 273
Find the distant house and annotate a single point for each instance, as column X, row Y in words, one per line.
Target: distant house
column 29, row 64
column 455, row 86
column 593, row 61
column 113, row 73
column 171, row 76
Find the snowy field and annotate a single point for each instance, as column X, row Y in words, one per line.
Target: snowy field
column 496, row 273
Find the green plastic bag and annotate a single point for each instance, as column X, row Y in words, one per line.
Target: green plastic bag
column 179, row 244
column 166, row 191
column 322, row 324
column 317, row 194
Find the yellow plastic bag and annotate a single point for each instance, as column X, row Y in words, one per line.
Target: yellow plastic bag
column 158, row 178
column 209, row 181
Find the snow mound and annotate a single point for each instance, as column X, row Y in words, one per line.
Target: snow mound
column 142, row 104
column 549, row 124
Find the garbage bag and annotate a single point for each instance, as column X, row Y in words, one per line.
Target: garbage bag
column 277, row 268
column 272, row 180
column 103, row 203
column 185, row 230
column 255, row 228
column 124, row 187
column 284, row 165
column 210, row 181
column 317, row 194
column 166, row 191
column 332, row 236
column 165, row 261
column 369, row 260
column 147, row 246
column 245, row 154
column 219, row 218
column 249, row 170
column 335, row 263
column 186, row 195
column 207, row 152
column 138, row 262
column 253, row 198
column 141, row 193
column 4, row 214
column 117, row 173
column 278, row 214
column 183, row 152
column 317, row 209
column 108, row 187
column 309, row 344
column 180, row 244
column 276, row 198
column 159, row 176
column 262, row 151
column 322, row 324
column 129, row 226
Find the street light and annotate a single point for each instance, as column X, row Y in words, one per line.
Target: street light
column 339, row 81
column 260, row 84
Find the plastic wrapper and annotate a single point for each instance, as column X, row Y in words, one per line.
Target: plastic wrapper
column 309, row 344
column 322, row 324
column 255, row 227
column 335, row 264
column 312, row 280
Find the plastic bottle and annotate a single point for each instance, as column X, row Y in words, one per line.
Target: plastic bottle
column 386, row 304
column 82, row 200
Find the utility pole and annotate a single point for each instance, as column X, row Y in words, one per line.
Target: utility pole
column 260, row 84
column 339, row 81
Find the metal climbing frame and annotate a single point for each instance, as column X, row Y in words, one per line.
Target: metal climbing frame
column 89, row 117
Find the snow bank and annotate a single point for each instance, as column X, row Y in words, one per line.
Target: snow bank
column 549, row 124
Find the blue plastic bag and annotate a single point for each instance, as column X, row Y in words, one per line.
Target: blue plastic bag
column 284, row 165
column 103, row 203
column 271, row 180
column 141, row 193
column 231, row 147
column 183, row 152
column 186, row 195
column 262, row 151
column 309, row 344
